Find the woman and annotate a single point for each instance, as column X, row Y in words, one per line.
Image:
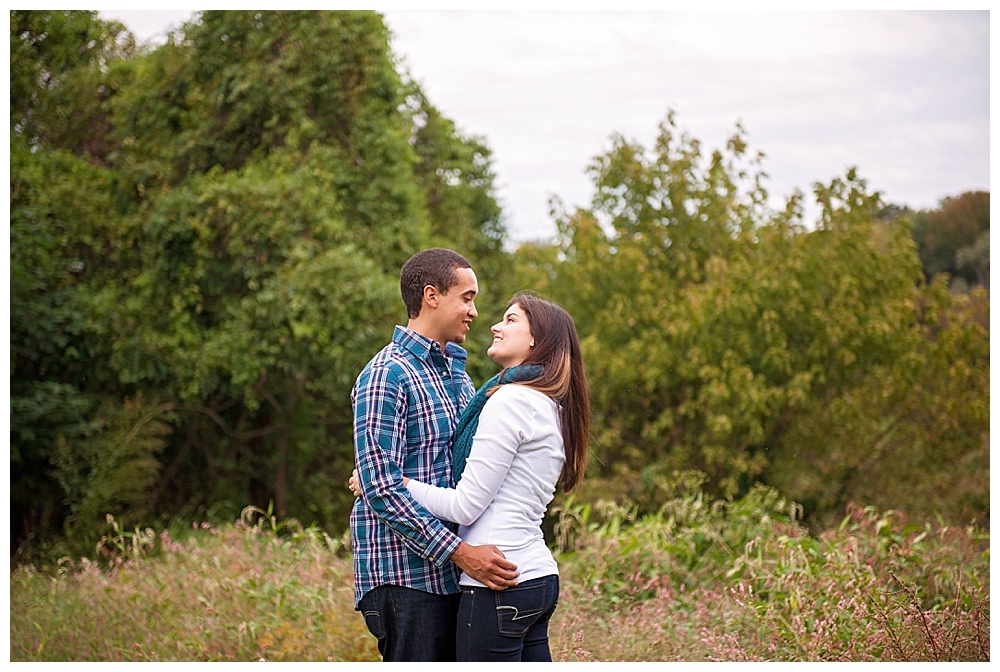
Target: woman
column 530, row 427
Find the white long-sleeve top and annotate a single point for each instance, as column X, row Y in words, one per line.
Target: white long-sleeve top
column 509, row 479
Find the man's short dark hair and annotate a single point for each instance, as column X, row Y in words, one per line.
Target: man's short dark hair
column 436, row 267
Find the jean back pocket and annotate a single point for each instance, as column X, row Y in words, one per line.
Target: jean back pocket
column 519, row 607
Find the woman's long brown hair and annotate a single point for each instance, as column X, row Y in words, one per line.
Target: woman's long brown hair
column 557, row 351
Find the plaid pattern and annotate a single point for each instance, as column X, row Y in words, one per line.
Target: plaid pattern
column 406, row 401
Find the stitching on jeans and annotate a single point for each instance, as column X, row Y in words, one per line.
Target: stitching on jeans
column 468, row 639
column 517, row 614
column 378, row 621
column 523, row 587
column 472, row 606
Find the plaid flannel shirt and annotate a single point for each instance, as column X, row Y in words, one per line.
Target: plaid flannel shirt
column 406, row 401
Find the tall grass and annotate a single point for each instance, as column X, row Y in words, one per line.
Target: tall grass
column 698, row 581
column 742, row 581
column 254, row 590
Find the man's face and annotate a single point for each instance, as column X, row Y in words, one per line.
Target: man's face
column 457, row 308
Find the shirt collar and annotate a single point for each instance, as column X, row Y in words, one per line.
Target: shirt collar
column 422, row 346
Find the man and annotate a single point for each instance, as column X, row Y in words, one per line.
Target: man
column 407, row 401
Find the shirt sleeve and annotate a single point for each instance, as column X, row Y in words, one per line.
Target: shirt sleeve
column 503, row 426
column 380, row 448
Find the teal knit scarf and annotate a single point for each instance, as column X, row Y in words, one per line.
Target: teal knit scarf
column 469, row 422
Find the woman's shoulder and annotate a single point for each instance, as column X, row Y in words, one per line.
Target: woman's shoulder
column 515, row 394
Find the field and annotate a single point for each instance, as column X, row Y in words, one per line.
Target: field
column 698, row 581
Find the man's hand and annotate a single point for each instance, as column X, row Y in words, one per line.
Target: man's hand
column 486, row 564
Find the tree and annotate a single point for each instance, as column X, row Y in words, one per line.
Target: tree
column 733, row 340
column 48, row 52
column 205, row 269
column 956, row 225
column 61, row 221
column 976, row 257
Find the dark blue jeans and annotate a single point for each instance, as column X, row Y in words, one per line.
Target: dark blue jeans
column 411, row 625
column 507, row 625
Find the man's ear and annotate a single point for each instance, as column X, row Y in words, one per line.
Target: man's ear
column 431, row 296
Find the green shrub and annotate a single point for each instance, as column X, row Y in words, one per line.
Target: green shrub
column 743, row 580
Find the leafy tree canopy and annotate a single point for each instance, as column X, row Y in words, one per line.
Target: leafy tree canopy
column 206, row 241
column 737, row 341
column 954, row 238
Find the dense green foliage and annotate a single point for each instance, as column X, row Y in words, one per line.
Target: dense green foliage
column 698, row 580
column 205, row 244
column 201, row 267
column 734, row 340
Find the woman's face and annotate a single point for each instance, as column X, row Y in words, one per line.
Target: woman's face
column 512, row 339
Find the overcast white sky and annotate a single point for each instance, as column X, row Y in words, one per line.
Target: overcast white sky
column 903, row 95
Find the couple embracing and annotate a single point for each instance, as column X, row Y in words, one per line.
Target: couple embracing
column 449, row 558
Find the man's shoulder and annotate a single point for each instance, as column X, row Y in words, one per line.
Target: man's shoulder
column 392, row 362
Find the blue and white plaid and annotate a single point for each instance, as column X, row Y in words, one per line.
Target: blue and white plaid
column 407, row 401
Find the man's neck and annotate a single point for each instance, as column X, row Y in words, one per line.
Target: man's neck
column 418, row 326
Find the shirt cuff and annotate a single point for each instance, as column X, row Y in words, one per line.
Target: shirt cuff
column 441, row 547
